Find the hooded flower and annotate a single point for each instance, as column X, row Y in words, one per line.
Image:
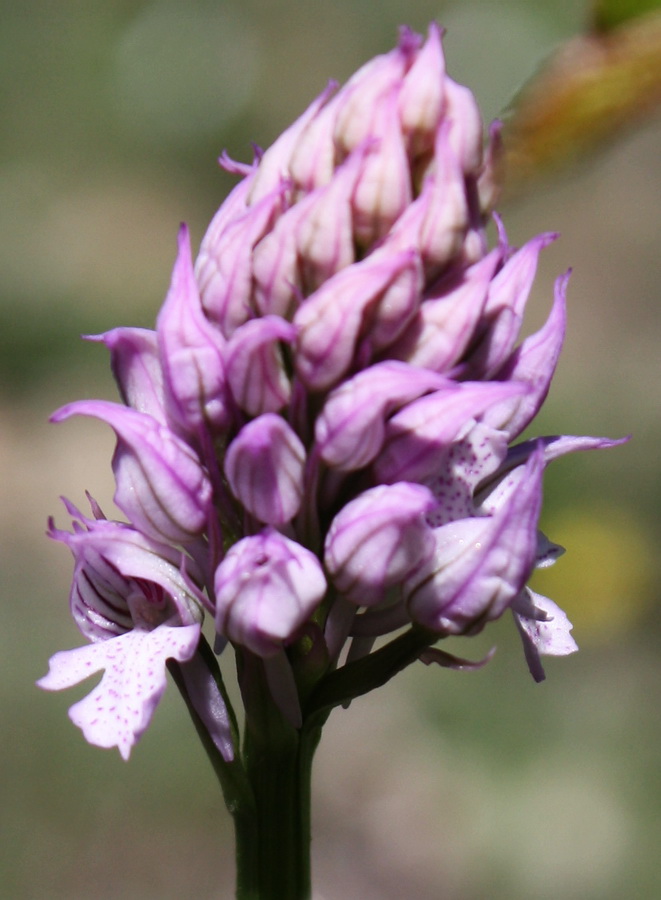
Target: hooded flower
column 131, row 600
column 266, row 588
column 316, row 442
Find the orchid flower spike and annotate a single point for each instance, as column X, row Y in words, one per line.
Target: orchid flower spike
column 317, row 442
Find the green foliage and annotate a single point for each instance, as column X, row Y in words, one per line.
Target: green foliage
column 607, row 14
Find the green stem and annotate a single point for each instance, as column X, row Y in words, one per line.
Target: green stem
column 267, row 787
column 372, row 671
column 273, row 850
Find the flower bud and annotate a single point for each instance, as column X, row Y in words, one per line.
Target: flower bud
column 331, row 320
column 384, row 188
column 350, row 429
column 160, row 483
column 378, row 540
column 533, row 364
column 462, row 111
column 325, row 242
column 446, row 205
column 361, row 93
column 191, row 351
column 226, row 272
column 267, row 586
column 277, row 164
column 264, row 466
column 255, row 368
column 136, row 365
column 311, row 242
column 503, row 311
column 422, row 97
column 448, row 317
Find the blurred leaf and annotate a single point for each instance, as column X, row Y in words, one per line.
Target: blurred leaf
column 607, row 14
column 589, row 91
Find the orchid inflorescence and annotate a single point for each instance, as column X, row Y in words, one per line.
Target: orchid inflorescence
column 315, row 446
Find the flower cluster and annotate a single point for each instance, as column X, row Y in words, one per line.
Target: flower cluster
column 315, row 443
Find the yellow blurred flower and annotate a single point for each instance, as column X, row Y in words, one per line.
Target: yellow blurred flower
column 604, row 581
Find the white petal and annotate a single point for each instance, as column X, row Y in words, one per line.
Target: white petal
column 120, row 708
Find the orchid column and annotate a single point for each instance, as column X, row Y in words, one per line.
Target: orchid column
column 314, row 448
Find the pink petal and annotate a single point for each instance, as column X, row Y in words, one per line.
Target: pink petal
column 119, row 709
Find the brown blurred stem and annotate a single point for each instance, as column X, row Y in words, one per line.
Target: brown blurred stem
column 591, row 90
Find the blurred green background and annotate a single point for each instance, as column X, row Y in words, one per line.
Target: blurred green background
column 443, row 785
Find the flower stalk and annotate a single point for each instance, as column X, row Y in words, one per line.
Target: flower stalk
column 273, row 847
